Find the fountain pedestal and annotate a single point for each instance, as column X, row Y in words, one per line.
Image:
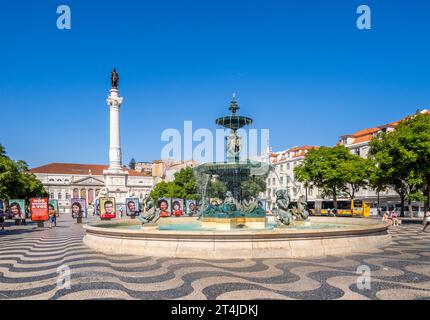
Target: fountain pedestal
column 233, row 223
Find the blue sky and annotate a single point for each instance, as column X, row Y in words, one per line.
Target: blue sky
column 300, row 68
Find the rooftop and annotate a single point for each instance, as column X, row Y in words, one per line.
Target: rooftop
column 80, row 169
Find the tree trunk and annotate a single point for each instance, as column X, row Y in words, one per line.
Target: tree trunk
column 411, row 213
column 334, row 199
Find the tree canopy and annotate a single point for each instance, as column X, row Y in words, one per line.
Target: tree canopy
column 403, row 159
column 184, row 186
column 334, row 170
column 132, row 164
column 16, row 181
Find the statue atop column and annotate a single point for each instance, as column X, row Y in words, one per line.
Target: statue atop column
column 114, row 79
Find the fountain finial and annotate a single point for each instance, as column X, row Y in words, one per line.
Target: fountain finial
column 234, row 105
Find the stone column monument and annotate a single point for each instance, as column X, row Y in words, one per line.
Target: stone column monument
column 115, row 176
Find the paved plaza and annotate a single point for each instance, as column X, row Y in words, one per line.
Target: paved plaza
column 29, row 258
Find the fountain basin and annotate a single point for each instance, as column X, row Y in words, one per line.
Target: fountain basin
column 324, row 236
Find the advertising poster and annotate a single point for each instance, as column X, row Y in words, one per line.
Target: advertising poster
column 177, row 207
column 164, row 205
column 39, row 209
column 78, row 206
column 107, row 208
column 17, row 208
column 132, row 206
column 53, row 205
column 191, row 207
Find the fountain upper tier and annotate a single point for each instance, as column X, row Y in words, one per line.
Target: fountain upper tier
column 233, row 121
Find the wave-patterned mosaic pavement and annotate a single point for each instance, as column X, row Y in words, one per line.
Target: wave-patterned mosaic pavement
column 30, row 258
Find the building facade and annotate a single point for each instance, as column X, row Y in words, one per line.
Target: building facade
column 284, row 162
column 64, row 181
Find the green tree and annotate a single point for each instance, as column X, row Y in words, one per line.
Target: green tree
column 160, row 190
column 184, row 186
column 132, row 164
column 326, row 168
column 216, row 189
column 16, row 181
column 253, row 186
column 2, row 151
column 377, row 180
column 357, row 171
column 403, row 156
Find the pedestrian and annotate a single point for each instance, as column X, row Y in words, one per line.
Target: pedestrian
column 120, row 212
column 426, row 219
column 2, row 216
column 52, row 216
column 394, row 218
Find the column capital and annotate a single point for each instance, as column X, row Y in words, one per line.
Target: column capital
column 114, row 100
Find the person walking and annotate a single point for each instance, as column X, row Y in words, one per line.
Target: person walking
column 52, row 216
column 426, row 219
column 2, row 216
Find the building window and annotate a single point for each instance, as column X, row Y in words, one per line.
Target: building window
column 76, row 193
column 51, row 180
column 282, row 181
column 288, row 166
column 83, row 193
column 273, row 192
column 67, row 196
column 310, row 191
column 51, row 195
column 59, row 195
column 97, row 192
column 273, row 181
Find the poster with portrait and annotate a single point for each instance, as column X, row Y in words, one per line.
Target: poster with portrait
column 107, row 208
column 177, row 207
column 78, row 207
column 164, row 205
column 191, row 207
column 17, row 208
column 132, row 206
column 53, row 206
column 262, row 203
column 39, row 209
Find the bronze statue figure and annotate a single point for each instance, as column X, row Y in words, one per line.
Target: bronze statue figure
column 282, row 214
column 114, row 79
column 151, row 214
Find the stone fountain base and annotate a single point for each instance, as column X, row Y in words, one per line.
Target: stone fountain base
column 360, row 235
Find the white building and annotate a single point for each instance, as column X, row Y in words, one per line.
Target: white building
column 282, row 175
column 284, row 163
column 64, row 181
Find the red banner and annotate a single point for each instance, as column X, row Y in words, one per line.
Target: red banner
column 39, row 209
